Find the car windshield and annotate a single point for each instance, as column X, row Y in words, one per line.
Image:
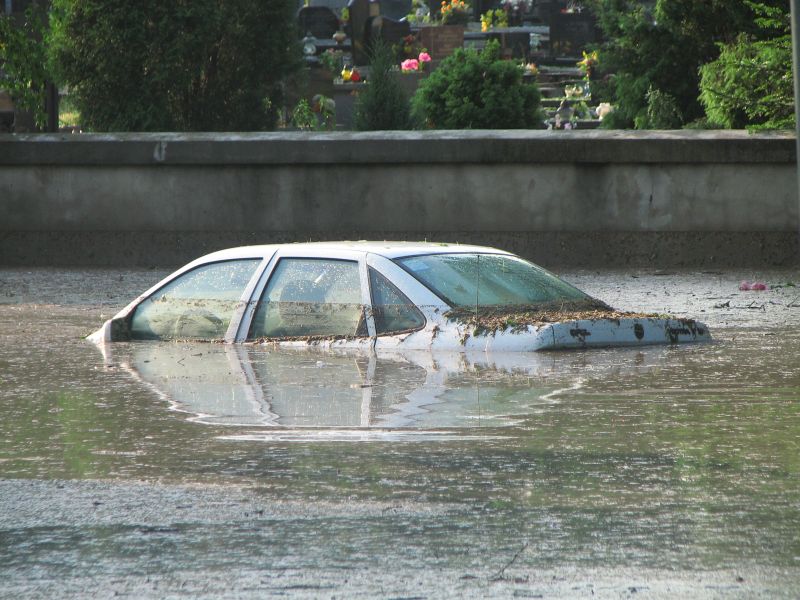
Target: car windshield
column 490, row 280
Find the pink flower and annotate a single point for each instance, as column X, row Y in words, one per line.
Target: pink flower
column 410, row 64
column 424, row 57
column 744, row 286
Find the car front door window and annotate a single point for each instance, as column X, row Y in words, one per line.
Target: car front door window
column 196, row 305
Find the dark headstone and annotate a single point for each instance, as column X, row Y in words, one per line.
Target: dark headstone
column 512, row 44
column 360, row 13
column 543, row 10
column 319, row 21
column 570, row 33
column 390, row 31
column 335, row 5
column 395, row 9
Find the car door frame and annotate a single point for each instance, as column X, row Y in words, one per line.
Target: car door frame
column 240, row 332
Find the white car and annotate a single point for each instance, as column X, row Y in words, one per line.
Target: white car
column 383, row 295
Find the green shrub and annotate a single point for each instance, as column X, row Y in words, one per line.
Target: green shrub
column 661, row 47
column 382, row 104
column 184, row 65
column 24, row 60
column 662, row 112
column 750, row 84
column 472, row 90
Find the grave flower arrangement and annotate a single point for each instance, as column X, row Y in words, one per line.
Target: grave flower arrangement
column 455, row 12
column 573, row 6
column 409, row 47
column 332, row 60
column 413, row 65
column 530, row 69
column 588, row 63
column 351, row 74
column 494, row 18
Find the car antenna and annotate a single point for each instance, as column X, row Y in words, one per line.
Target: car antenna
column 477, row 289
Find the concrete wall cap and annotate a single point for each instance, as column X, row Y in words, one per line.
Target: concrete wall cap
column 399, row 148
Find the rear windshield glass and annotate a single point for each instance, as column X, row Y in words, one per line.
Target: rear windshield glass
column 468, row 280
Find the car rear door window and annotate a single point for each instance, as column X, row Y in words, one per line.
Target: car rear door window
column 311, row 297
column 196, row 305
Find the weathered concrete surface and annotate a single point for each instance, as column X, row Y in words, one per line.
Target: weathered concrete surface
column 580, row 198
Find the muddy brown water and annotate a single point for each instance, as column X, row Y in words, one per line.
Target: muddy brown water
column 197, row 470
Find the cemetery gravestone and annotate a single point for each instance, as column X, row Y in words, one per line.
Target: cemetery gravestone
column 335, row 5
column 395, row 9
column 319, row 21
column 390, row 31
column 570, row 33
column 360, row 13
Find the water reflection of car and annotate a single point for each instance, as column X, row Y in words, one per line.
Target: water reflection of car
column 381, row 295
column 257, row 386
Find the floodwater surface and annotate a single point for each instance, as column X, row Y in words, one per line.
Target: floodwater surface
column 157, row 469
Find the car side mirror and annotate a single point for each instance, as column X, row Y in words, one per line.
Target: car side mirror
column 113, row 330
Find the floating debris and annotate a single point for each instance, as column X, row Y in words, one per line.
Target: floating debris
column 489, row 319
column 755, row 286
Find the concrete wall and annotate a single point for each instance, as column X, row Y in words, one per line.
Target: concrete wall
column 560, row 198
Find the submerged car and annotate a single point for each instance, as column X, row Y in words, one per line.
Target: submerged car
column 383, row 295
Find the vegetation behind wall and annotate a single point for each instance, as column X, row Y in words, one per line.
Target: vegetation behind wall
column 24, row 61
column 199, row 65
column 653, row 54
column 478, row 91
column 383, row 104
column 750, row 84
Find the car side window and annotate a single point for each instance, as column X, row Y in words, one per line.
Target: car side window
column 311, row 297
column 391, row 309
column 197, row 305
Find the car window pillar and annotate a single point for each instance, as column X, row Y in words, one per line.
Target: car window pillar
column 366, row 298
column 249, row 308
column 242, row 311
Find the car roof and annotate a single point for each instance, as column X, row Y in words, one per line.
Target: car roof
column 386, row 249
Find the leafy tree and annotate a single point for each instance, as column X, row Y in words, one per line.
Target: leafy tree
column 23, row 61
column 750, row 84
column 660, row 47
column 662, row 110
column 180, row 65
column 382, row 105
column 472, row 90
